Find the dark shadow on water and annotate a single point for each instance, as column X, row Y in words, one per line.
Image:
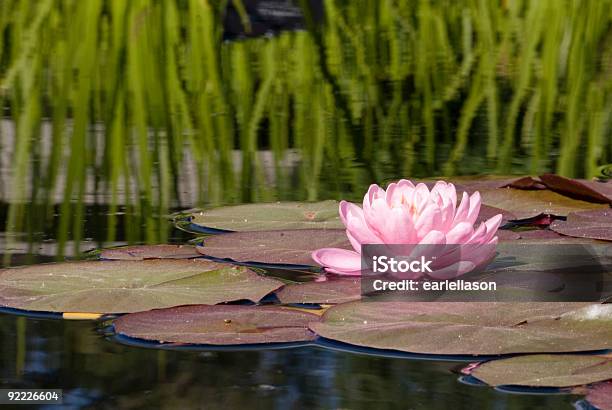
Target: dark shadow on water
column 30, row 313
column 396, row 354
column 97, row 373
column 149, row 344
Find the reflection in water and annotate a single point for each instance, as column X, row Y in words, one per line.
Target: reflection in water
column 98, row 373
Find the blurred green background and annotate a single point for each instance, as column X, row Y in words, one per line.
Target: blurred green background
column 144, row 106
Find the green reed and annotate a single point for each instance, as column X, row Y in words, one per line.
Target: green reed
column 403, row 88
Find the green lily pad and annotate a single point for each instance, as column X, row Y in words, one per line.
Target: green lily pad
column 333, row 291
column 527, row 204
column 219, row 325
column 290, row 247
column 591, row 191
column 128, row 286
column 545, row 370
column 271, row 216
column 141, row 252
column 588, row 224
column 475, row 328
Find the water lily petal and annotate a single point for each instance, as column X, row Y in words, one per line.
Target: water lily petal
column 428, row 221
column 460, row 233
column 492, row 225
column 474, row 209
column 339, row 261
column 462, row 209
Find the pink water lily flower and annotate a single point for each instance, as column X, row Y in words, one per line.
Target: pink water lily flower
column 414, row 215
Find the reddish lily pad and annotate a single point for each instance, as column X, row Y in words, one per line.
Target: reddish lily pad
column 537, row 255
column 141, row 252
column 528, row 204
column 505, row 235
column 219, row 325
column 476, row 328
column 600, row 395
column 526, row 183
column 333, row 291
column 592, row 191
column 292, row 247
column 128, row 286
column 271, row 216
column 488, row 212
column 589, row 224
column 541, row 234
column 479, row 183
column 545, row 370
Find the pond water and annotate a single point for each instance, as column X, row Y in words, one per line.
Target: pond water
column 97, row 372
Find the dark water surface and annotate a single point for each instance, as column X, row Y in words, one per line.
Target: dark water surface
column 96, row 372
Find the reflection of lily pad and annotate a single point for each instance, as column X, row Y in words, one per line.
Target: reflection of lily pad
column 273, row 247
column 591, row 191
column 335, row 290
column 219, row 325
column 477, row 328
column 128, row 286
column 545, row 370
column 140, row 252
column 527, row 204
column 271, row 216
column 588, row 224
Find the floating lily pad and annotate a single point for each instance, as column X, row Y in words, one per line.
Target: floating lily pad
column 487, row 212
column 471, row 184
column 505, row 235
column 580, row 268
column 527, row 204
column 141, row 252
column 219, row 325
column 291, row 247
column 540, row 234
column 333, row 291
column 527, row 183
column 476, row 328
column 591, row 191
column 600, row 395
column 128, row 286
column 545, row 370
column 534, row 238
column 271, row 216
column 588, row 224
